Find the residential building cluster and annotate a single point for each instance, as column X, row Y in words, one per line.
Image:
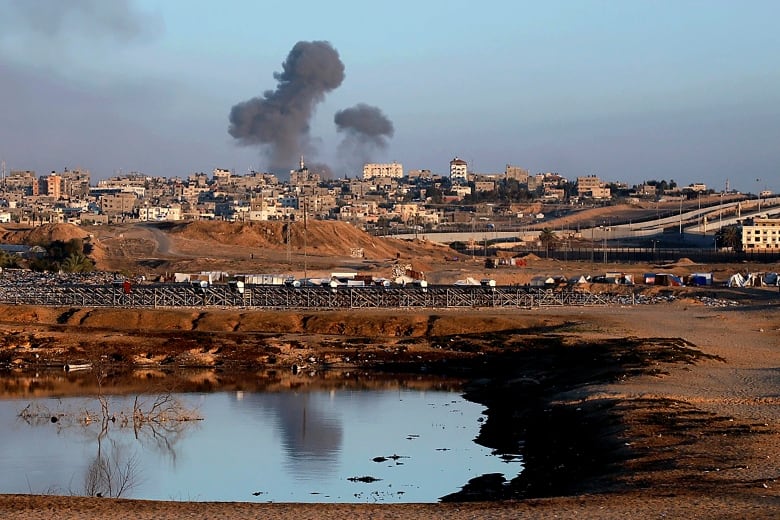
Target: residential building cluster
column 384, row 196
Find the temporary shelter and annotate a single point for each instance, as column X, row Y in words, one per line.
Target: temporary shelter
column 736, row 280
column 468, row 281
column 578, row 279
column 668, row 279
column 542, row 281
column 700, row 279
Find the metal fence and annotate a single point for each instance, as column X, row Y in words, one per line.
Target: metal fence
column 650, row 255
column 284, row 297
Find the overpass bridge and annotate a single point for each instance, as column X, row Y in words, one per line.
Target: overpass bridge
column 691, row 222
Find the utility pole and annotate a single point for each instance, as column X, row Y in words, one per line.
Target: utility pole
column 592, row 244
column 305, row 274
column 681, row 212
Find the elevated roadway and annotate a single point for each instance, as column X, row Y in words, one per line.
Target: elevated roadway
column 700, row 221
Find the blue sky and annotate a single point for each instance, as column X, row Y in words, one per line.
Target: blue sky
column 627, row 90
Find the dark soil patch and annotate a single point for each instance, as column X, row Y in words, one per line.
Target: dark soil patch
column 536, row 394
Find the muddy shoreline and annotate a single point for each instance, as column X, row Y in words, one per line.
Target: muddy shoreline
column 535, row 391
column 559, row 388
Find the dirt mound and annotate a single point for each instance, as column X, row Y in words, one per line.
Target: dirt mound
column 318, row 237
column 685, row 261
column 530, row 257
column 43, row 234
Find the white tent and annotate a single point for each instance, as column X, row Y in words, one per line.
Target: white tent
column 468, row 281
column 736, row 280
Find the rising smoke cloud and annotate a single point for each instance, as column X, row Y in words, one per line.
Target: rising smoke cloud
column 366, row 131
column 279, row 119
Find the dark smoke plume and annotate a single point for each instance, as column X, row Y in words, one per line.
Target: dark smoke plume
column 367, row 130
column 323, row 169
column 280, row 118
column 365, row 124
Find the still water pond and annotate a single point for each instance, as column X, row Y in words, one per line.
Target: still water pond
column 397, row 445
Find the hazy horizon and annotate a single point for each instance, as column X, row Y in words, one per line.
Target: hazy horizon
column 629, row 91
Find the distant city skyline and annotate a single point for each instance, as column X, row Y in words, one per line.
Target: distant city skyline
column 629, row 91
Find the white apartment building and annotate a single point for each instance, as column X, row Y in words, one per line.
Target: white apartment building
column 461, row 191
column 159, row 213
column 392, row 170
column 459, row 170
column 762, row 234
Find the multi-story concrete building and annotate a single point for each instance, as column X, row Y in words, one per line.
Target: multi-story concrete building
column 221, row 176
column 392, row 170
column 23, row 181
column 462, row 191
column 118, row 203
column 420, row 174
column 459, row 171
column 592, row 186
column 159, row 213
column 75, row 183
column 761, row 234
column 484, row 185
column 53, row 185
column 516, row 173
column 646, row 190
column 588, row 183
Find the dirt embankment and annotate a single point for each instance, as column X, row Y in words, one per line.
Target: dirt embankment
column 380, row 323
column 38, row 336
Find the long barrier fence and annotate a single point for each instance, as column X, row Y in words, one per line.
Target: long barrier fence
column 628, row 255
column 284, row 297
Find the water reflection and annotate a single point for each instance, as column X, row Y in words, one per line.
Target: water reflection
column 311, row 434
column 157, row 422
column 263, row 437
